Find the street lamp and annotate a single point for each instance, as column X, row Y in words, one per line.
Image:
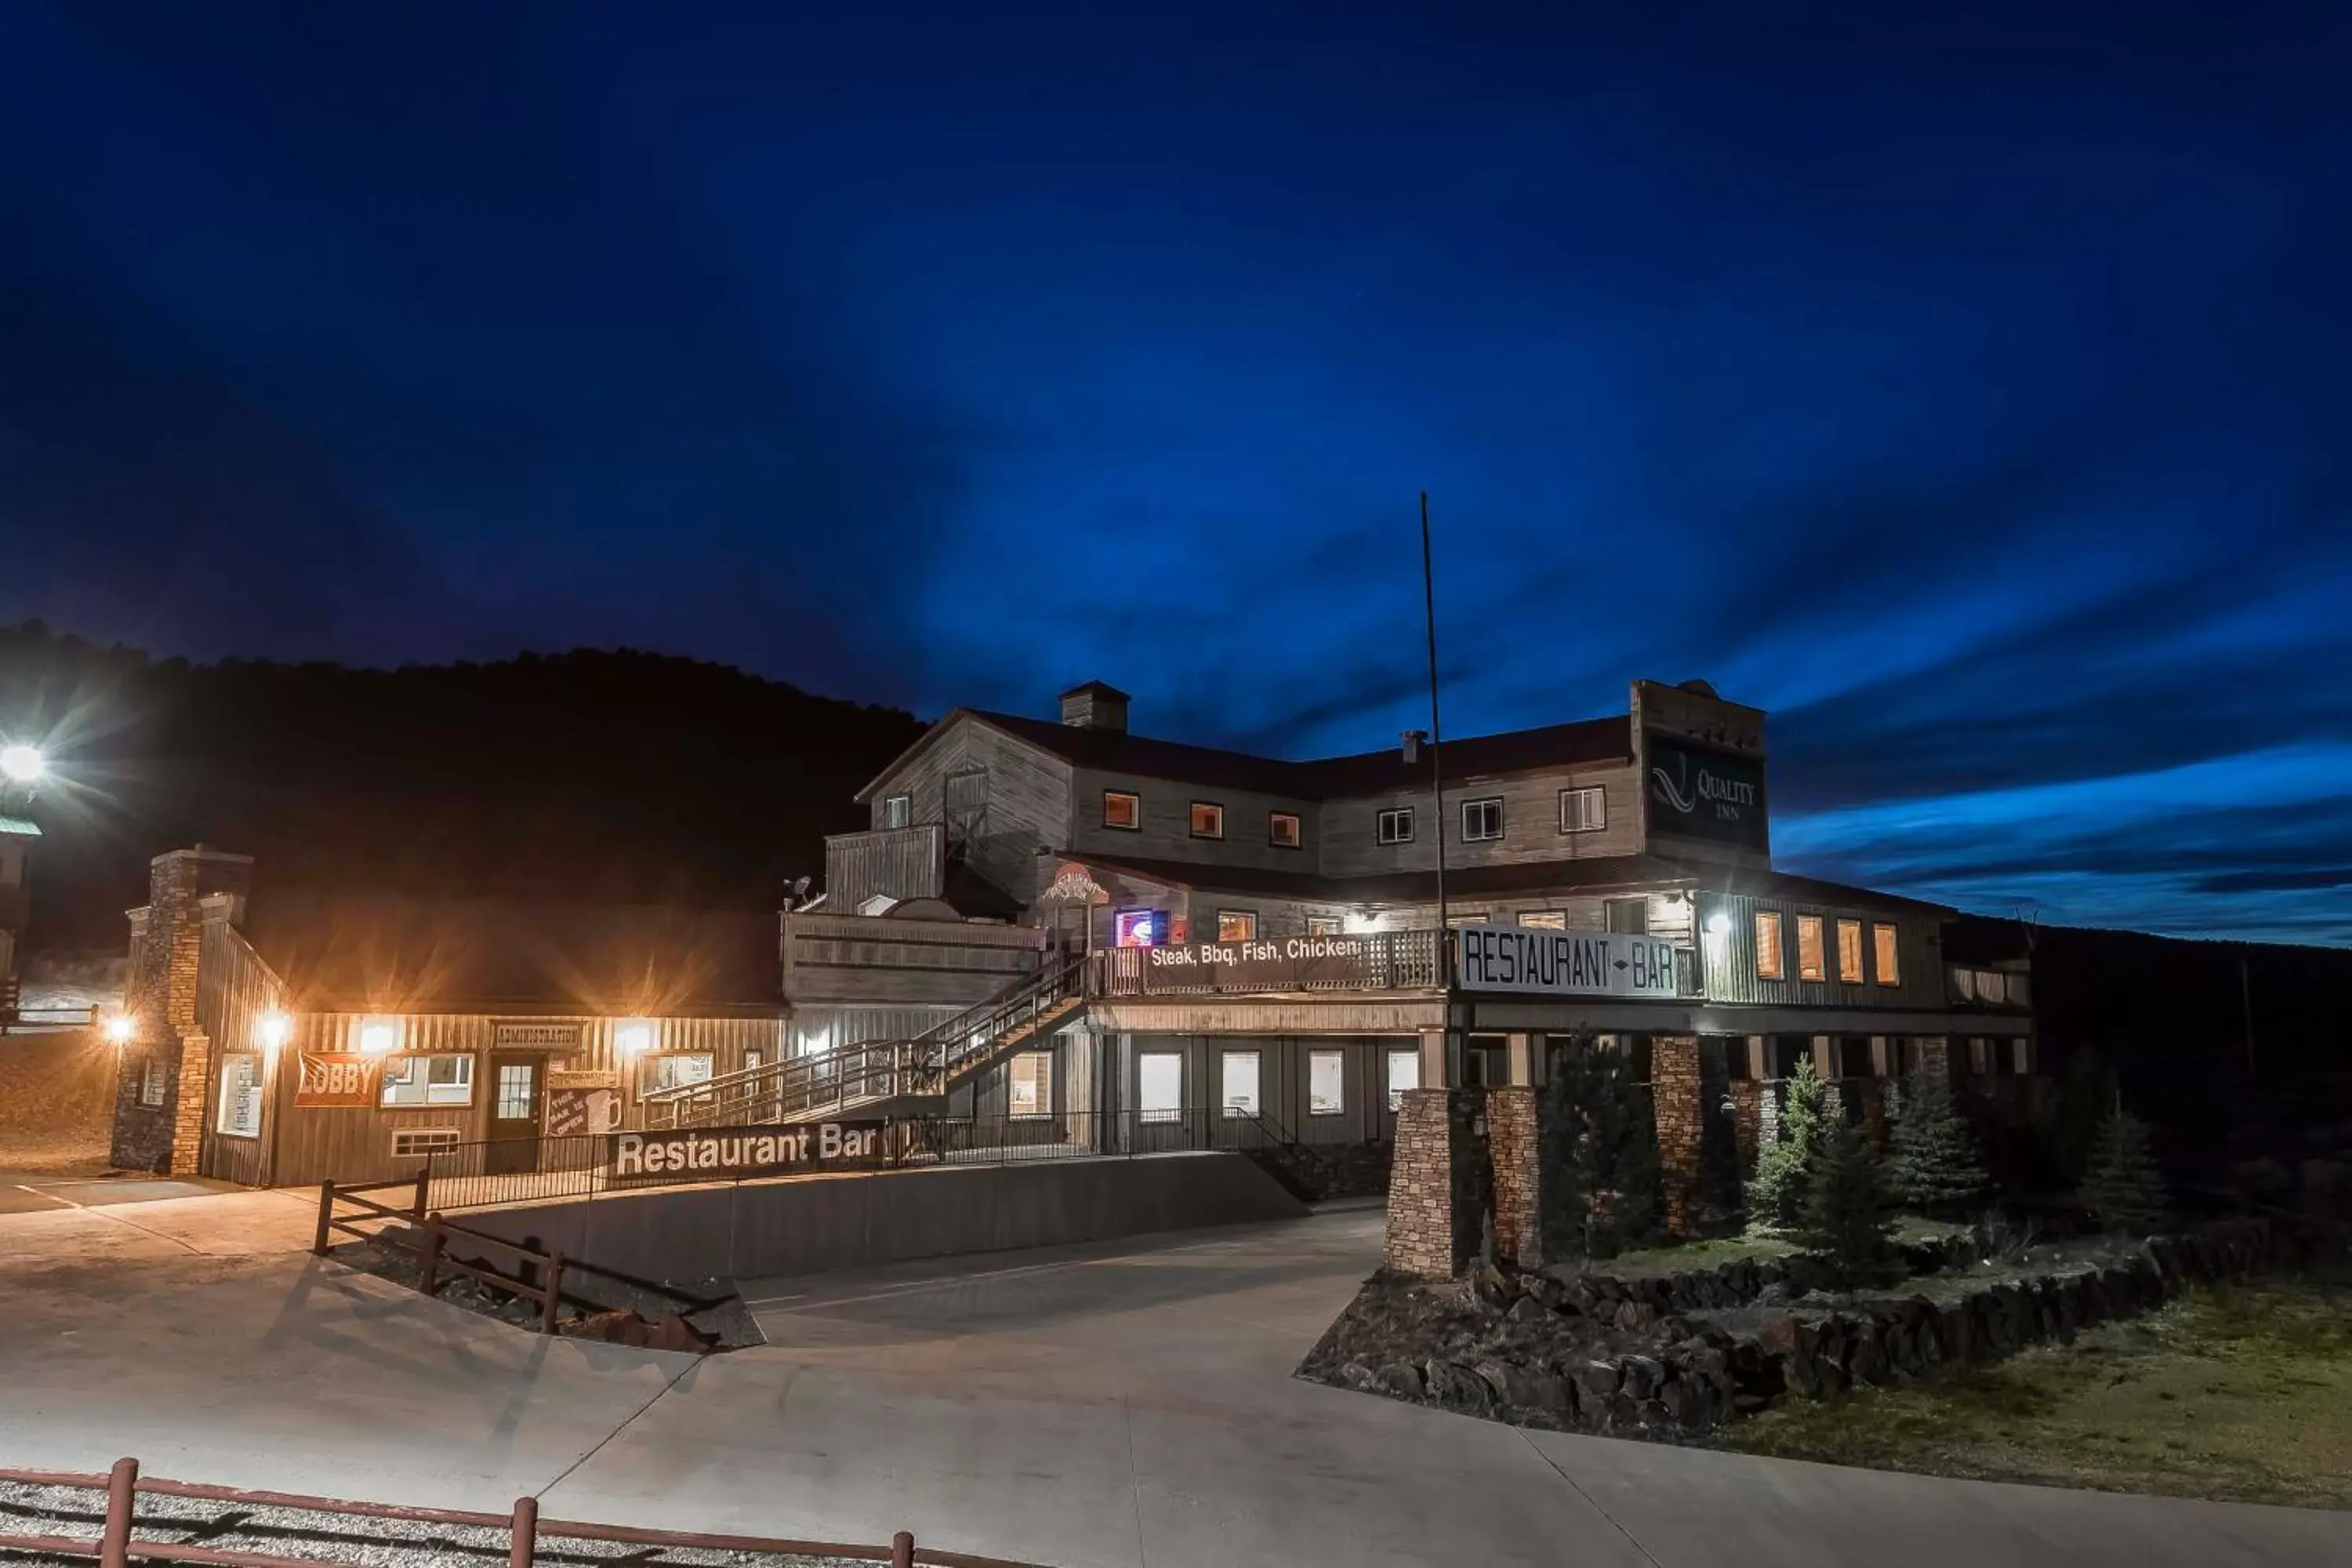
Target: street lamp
column 23, row 765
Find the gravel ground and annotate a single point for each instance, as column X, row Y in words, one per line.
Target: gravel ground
column 339, row 1538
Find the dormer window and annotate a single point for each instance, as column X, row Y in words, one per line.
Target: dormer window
column 897, row 810
column 1208, row 819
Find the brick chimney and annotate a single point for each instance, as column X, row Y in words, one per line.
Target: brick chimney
column 1095, row 706
column 166, row 939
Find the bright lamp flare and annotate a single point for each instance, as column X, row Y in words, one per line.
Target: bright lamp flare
column 273, row 1029
column 119, row 1028
column 23, row 765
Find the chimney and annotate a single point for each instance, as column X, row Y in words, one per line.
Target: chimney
column 1095, row 706
column 1413, row 740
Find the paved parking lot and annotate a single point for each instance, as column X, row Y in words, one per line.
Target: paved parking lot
column 1127, row 1403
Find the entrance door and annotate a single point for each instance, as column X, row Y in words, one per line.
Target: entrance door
column 514, row 1114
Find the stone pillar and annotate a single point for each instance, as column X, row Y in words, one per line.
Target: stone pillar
column 190, row 1097
column 1675, row 1093
column 167, row 939
column 1515, row 1144
column 1433, row 1210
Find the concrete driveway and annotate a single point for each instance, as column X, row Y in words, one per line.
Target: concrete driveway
column 1120, row 1405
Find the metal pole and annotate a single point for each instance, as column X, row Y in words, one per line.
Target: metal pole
column 1436, row 734
column 2246, row 1003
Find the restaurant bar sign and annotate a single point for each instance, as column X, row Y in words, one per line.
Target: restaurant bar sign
column 1711, row 795
column 733, row 1153
column 1275, row 963
column 1538, row 962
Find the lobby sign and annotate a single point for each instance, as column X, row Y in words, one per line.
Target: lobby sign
column 1710, row 796
column 1273, row 964
column 733, row 1153
column 337, row 1081
column 1533, row 962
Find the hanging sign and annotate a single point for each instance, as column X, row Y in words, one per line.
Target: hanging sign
column 338, row 1080
column 1534, row 962
column 1710, row 796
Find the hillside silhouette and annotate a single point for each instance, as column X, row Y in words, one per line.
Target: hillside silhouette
column 582, row 775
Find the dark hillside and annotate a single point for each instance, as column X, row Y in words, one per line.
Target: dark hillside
column 579, row 775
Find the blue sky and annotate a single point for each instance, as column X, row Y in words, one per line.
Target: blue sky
column 1968, row 391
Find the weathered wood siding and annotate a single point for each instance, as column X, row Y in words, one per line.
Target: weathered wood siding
column 876, row 960
column 1024, row 803
column 1349, row 845
column 1729, row 959
column 234, row 991
column 1164, row 828
column 897, row 862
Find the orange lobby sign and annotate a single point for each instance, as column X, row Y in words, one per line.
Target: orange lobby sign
column 335, row 1078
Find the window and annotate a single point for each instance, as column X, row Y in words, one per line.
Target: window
column 1584, row 810
column 415, row 1143
column 1404, row 1073
column 1850, row 952
column 1482, row 819
column 1325, row 925
column 1772, row 964
column 1890, row 972
column 240, row 1094
column 672, row 1069
column 516, row 1083
column 1812, row 962
column 1240, row 1097
column 428, row 1080
column 1544, row 920
column 1282, row 829
column 152, row 1080
column 1236, row 925
column 1136, row 928
column 1628, row 916
column 1208, row 819
column 1159, row 1086
column 1122, row 809
column 1394, row 825
column 1327, row 1079
column 1032, row 1084
column 897, row 810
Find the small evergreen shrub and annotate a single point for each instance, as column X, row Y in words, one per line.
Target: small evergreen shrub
column 1845, row 1218
column 1598, row 1136
column 1776, row 1194
column 1931, row 1153
column 2122, row 1188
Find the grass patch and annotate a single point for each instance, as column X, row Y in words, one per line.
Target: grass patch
column 2242, row 1392
column 1681, row 1256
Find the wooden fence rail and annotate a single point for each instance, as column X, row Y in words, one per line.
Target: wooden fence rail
column 539, row 1274
column 114, row 1546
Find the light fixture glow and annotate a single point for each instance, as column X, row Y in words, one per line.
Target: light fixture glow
column 24, row 764
column 379, row 1036
column 1718, row 924
column 634, row 1037
column 271, row 1029
column 1359, row 923
column 119, row 1028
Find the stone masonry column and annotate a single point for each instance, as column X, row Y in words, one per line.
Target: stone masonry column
column 167, row 939
column 1434, row 1219
column 1514, row 1143
column 1675, row 1095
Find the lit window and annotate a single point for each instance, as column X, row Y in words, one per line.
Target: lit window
column 1394, row 826
column 1236, row 925
column 1850, row 952
column 1241, row 1083
column 1482, row 820
column 428, row 1080
column 897, row 810
column 153, row 1080
column 1404, row 1073
column 1159, row 1086
column 1325, row 925
column 1889, row 971
column 1136, row 928
column 1032, row 1084
column 1771, row 963
column 1208, row 819
column 1544, row 920
column 1584, row 810
column 1327, row 1079
column 673, row 1069
column 1811, row 964
column 240, row 1095
column 1282, row 829
column 1122, row 809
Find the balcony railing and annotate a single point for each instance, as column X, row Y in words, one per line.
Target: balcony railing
column 1376, row 961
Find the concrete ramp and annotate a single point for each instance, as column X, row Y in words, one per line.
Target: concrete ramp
column 813, row 1225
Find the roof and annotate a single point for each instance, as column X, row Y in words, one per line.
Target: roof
column 366, row 954
column 20, row 827
column 1613, row 873
column 1329, row 778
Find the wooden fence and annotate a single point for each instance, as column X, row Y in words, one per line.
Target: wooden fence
column 114, row 1546
column 538, row 1275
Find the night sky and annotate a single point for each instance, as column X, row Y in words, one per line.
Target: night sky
column 1973, row 391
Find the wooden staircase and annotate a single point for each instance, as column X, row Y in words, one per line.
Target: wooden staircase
column 880, row 1076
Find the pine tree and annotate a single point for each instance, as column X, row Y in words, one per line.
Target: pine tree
column 1845, row 1220
column 1598, row 1139
column 1776, row 1194
column 1931, row 1153
column 2122, row 1188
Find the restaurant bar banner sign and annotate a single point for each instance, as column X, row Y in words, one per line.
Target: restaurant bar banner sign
column 1711, row 795
column 337, row 1081
column 1540, row 963
column 733, row 1153
column 1275, row 963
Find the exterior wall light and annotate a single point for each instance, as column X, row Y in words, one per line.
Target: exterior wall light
column 634, row 1037
column 379, row 1036
column 1357, row 923
column 121, row 1028
column 272, row 1030
column 1718, row 924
